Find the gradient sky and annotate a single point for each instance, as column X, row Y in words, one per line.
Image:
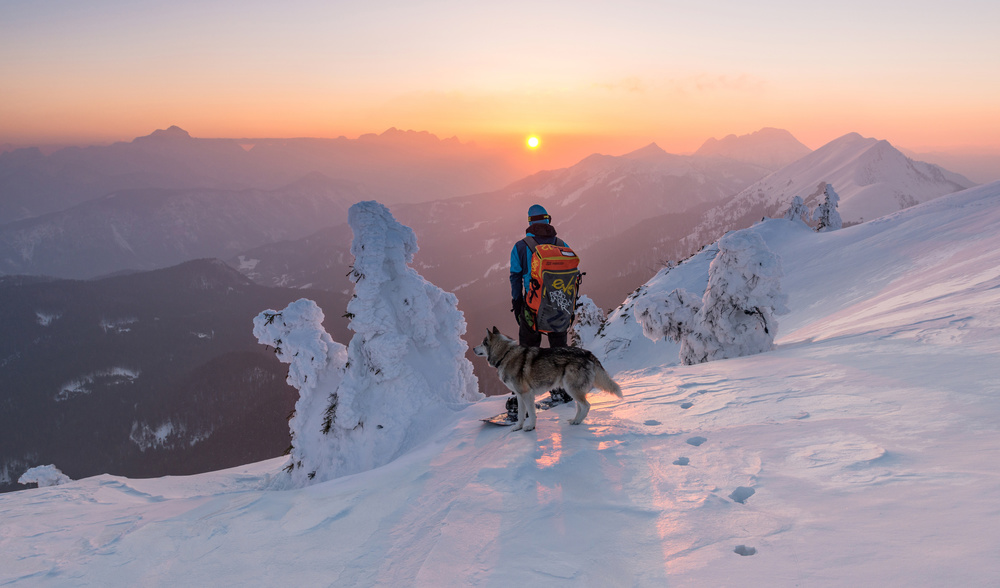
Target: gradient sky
column 922, row 74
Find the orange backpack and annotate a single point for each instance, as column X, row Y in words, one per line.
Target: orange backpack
column 553, row 286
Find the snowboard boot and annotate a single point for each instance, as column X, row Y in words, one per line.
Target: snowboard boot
column 512, row 408
column 559, row 396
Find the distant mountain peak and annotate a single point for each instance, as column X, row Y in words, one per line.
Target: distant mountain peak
column 173, row 132
column 651, row 151
column 394, row 135
column 394, row 132
column 871, row 176
column 769, row 147
column 852, row 139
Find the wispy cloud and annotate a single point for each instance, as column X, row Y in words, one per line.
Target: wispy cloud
column 630, row 84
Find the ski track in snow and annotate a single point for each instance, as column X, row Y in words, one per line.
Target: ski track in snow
column 861, row 451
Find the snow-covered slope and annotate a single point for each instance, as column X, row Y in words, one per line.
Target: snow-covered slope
column 872, row 178
column 862, row 451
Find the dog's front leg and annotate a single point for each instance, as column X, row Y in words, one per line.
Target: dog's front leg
column 521, row 412
column 529, row 401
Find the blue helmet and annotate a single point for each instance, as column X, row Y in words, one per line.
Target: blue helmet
column 538, row 214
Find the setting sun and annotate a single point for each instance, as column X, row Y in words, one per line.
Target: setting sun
column 533, row 142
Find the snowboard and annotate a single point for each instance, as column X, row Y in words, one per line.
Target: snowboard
column 503, row 419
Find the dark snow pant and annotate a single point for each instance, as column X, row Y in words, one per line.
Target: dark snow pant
column 531, row 338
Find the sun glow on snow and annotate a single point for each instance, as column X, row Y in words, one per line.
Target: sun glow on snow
column 533, row 142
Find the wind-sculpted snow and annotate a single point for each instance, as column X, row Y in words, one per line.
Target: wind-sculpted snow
column 861, row 451
column 401, row 375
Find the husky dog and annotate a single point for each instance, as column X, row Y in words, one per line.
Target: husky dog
column 528, row 371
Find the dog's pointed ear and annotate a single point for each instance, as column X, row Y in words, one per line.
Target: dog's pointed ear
column 496, row 331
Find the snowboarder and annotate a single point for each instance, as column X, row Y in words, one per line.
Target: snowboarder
column 541, row 230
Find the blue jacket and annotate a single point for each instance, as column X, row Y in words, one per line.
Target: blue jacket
column 520, row 257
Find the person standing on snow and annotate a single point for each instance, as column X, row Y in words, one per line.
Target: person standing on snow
column 540, row 228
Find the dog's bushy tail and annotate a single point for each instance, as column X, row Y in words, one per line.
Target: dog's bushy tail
column 602, row 381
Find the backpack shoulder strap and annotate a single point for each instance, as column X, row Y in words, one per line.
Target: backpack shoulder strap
column 531, row 243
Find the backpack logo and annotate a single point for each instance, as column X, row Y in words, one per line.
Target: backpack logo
column 553, row 286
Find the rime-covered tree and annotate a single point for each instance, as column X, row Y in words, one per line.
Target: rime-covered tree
column 46, row 475
column 826, row 213
column 674, row 317
column 405, row 369
column 589, row 318
column 735, row 316
column 317, row 365
column 797, row 211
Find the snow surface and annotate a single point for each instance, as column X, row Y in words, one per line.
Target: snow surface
column 862, row 451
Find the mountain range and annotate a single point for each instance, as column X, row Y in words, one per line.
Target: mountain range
column 398, row 166
column 145, row 374
column 627, row 216
column 152, row 228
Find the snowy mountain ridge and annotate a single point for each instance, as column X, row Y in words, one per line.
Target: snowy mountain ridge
column 861, row 451
column 871, row 176
column 631, row 187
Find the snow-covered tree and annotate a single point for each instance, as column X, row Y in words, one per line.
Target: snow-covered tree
column 674, row 317
column 46, row 475
column 736, row 313
column 826, row 213
column 317, row 365
column 405, row 369
column 589, row 318
column 797, row 211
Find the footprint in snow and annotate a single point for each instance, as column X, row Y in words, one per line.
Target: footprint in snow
column 682, row 461
column 687, row 405
column 696, row 441
column 744, row 550
column 741, row 494
column 651, row 423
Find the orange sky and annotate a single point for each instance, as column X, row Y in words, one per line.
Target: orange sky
column 586, row 76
